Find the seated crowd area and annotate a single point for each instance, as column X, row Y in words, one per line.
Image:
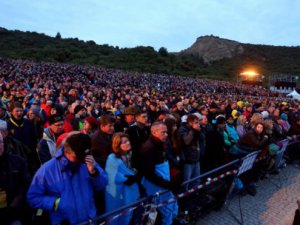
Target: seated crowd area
column 77, row 142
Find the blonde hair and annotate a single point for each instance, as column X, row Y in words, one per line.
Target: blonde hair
column 239, row 120
column 256, row 118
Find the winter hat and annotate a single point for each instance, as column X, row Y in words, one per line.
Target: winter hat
column 59, row 108
column 78, row 108
column 118, row 112
column 220, row 119
column 284, row 116
column 35, row 109
column 213, row 105
column 184, row 118
column 55, row 118
column 81, row 144
column 240, row 104
column 235, row 114
column 92, row 121
column 265, row 114
column 198, row 115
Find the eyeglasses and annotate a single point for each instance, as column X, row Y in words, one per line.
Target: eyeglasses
column 59, row 125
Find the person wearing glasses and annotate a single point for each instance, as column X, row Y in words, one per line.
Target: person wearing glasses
column 47, row 146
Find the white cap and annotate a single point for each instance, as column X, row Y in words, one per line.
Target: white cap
column 200, row 117
column 265, row 114
column 184, row 119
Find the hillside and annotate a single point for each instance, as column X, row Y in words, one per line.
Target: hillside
column 230, row 57
column 209, row 56
column 210, row 49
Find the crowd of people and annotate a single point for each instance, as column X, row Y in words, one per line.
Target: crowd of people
column 79, row 141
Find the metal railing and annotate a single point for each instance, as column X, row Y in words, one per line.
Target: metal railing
column 145, row 202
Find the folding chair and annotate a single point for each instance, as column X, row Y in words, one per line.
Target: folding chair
column 247, row 163
column 280, row 153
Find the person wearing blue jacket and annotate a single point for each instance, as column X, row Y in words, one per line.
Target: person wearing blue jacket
column 122, row 188
column 64, row 186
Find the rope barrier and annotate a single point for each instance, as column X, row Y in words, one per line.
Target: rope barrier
column 164, row 203
column 130, row 208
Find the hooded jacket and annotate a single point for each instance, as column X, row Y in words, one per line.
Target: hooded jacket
column 72, row 183
column 47, row 146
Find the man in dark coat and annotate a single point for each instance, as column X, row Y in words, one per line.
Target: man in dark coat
column 16, row 147
column 156, row 170
column 214, row 154
column 189, row 135
column 127, row 119
column 20, row 128
column 47, row 145
column 138, row 135
column 101, row 148
column 101, row 139
column 14, row 183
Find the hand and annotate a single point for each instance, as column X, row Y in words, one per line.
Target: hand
column 131, row 179
column 90, row 163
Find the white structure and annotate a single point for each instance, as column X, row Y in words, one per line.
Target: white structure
column 282, row 89
column 294, row 94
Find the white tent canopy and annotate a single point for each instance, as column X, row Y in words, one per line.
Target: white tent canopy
column 294, row 94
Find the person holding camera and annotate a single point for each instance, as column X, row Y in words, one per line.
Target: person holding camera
column 64, row 186
column 189, row 136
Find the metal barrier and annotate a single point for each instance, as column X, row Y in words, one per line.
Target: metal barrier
column 147, row 202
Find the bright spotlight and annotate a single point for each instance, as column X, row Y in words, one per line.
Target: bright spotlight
column 249, row 73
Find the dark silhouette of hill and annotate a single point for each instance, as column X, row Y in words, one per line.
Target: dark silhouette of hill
column 209, row 56
column 231, row 57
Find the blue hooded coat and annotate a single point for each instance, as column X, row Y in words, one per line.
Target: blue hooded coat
column 117, row 193
column 169, row 211
column 72, row 183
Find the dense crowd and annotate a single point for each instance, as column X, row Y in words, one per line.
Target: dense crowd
column 79, row 141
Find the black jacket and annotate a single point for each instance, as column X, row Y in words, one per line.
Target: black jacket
column 23, row 131
column 214, row 152
column 15, row 147
column 101, row 147
column 153, row 153
column 190, row 144
column 14, row 179
column 137, row 136
column 253, row 140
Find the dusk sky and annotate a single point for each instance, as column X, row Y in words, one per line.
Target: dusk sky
column 172, row 24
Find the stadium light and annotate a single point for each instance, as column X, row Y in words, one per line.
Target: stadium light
column 249, row 73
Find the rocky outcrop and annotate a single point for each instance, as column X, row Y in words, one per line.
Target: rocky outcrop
column 212, row 48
